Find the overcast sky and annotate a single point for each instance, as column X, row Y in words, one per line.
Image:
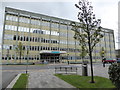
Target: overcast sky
column 106, row 10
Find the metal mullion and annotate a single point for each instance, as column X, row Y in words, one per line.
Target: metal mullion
column 3, row 32
column 40, row 37
column 17, row 34
column 50, row 34
column 29, row 37
column 67, row 44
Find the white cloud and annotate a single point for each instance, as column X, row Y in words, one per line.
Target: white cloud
column 107, row 11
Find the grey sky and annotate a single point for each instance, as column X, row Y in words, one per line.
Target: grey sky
column 106, row 10
column 65, row 10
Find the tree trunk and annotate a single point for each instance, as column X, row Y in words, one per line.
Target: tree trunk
column 90, row 55
column 92, row 78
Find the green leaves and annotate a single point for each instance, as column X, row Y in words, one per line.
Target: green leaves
column 83, row 51
column 76, row 6
column 114, row 74
column 88, row 31
column 19, row 50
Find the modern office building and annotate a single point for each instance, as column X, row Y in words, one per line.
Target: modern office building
column 117, row 53
column 119, row 25
column 47, row 38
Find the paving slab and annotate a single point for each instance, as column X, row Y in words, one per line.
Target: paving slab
column 46, row 79
column 98, row 70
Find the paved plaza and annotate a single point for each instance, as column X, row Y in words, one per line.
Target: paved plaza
column 46, row 79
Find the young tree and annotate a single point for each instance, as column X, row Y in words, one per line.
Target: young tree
column 83, row 53
column 27, row 52
column 88, row 31
column 19, row 50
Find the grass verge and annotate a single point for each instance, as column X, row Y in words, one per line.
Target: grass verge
column 84, row 81
column 21, row 82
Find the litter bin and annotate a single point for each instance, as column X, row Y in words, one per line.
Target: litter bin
column 84, row 69
column 68, row 62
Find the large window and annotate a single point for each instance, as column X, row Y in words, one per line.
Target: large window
column 54, row 25
column 63, row 42
column 35, row 22
column 69, row 27
column 23, row 29
column 11, row 27
column 71, row 42
column 24, row 20
column 8, row 37
column 35, row 30
column 55, row 33
column 62, row 34
column 63, row 27
column 44, row 23
column 46, row 32
column 11, row 18
column 6, row 46
column 77, row 43
column 111, row 38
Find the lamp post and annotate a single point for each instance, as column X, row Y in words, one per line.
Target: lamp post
column 7, row 55
column 27, row 60
column 68, row 58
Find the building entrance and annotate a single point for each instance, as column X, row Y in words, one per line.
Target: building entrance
column 50, row 58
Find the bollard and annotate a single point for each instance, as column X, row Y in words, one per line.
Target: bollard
column 84, row 70
column 103, row 64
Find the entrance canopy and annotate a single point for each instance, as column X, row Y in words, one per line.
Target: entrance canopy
column 52, row 52
column 51, row 56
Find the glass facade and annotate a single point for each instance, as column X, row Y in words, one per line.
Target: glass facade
column 41, row 32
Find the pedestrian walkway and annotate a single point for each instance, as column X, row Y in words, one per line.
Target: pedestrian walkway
column 98, row 69
column 46, row 79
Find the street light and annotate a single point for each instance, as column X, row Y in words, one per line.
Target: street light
column 7, row 55
column 68, row 58
column 27, row 59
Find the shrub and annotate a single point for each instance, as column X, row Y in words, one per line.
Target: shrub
column 114, row 74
